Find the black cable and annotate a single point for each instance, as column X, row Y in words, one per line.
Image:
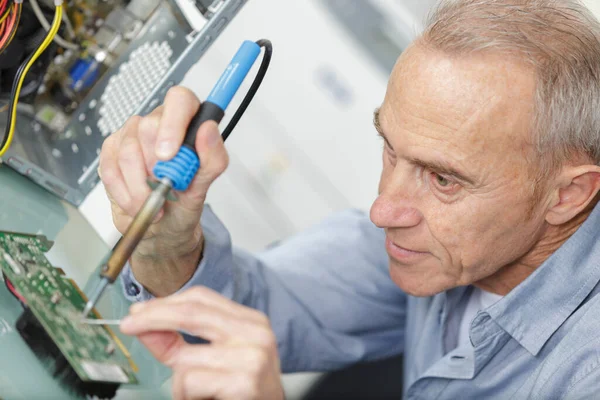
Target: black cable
column 262, row 70
column 37, row 73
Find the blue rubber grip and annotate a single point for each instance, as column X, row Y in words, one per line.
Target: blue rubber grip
column 234, row 74
column 180, row 170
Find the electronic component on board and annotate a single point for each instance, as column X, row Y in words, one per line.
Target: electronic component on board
column 87, row 359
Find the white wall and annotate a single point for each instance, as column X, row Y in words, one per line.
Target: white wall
column 594, row 5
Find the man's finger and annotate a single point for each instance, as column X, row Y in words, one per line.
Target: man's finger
column 111, row 175
column 213, row 162
column 133, row 166
column 198, row 319
column 194, row 319
column 208, row 297
column 164, row 346
column 148, row 132
column 121, row 219
column 199, row 383
column 219, row 357
column 180, row 106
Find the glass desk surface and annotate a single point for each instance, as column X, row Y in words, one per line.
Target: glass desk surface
column 27, row 208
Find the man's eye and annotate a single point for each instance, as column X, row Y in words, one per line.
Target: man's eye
column 389, row 150
column 443, row 182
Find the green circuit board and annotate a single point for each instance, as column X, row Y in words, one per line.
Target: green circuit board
column 93, row 351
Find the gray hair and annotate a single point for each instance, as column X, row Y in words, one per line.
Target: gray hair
column 560, row 39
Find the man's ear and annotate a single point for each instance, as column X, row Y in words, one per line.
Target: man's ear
column 577, row 187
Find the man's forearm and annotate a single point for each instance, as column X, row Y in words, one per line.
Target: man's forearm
column 164, row 274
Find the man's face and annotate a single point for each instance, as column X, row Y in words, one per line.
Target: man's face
column 455, row 196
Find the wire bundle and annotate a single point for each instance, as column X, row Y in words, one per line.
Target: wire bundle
column 22, row 72
column 10, row 14
column 46, row 25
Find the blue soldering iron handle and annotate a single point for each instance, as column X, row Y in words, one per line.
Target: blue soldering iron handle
column 184, row 166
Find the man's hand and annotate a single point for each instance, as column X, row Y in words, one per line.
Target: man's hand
column 240, row 363
column 170, row 251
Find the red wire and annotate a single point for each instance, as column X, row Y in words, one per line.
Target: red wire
column 3, row 25
column 4, row 7
column 9, row 25
column 14, row 291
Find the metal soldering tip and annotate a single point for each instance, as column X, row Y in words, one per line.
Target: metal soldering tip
column 88, row 307
column 95, row 297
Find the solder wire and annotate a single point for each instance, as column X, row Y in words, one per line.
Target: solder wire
column 20, row 78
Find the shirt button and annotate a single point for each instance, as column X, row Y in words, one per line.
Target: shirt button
column 133, row 289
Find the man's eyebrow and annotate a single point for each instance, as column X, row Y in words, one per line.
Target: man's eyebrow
column 376, row 120
column 443, row 169
column 378, row 128
column 435, row 166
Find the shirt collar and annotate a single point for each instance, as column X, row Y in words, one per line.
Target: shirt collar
column 535, row 309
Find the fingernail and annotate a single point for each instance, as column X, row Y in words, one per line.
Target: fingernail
column 126, row 323
column 213, row 135
column 165, row 149
column 135, row 308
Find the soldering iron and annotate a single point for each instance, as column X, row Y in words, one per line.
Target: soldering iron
column 178, row 172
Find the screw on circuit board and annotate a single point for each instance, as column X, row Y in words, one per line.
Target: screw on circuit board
column 55, row 298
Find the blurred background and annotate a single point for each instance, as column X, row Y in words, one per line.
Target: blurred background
column 306, row 147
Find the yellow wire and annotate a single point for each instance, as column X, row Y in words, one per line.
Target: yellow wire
column 6, row 14
column 49, row 38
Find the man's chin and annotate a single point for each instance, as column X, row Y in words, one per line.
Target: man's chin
column 415, row 280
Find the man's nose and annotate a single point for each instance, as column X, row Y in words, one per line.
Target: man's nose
column 395, row 208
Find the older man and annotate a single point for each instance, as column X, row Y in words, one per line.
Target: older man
column 487, row 213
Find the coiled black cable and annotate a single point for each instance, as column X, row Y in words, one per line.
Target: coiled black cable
column 262, row 70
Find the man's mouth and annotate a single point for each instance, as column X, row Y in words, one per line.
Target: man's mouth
column 401, row 253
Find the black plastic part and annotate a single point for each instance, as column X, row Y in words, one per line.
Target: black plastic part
column 12, row 55
column 208, row 112
column 203, row 5
column 38, row 340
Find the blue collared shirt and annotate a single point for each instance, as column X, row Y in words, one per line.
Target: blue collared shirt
column 331, row 302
